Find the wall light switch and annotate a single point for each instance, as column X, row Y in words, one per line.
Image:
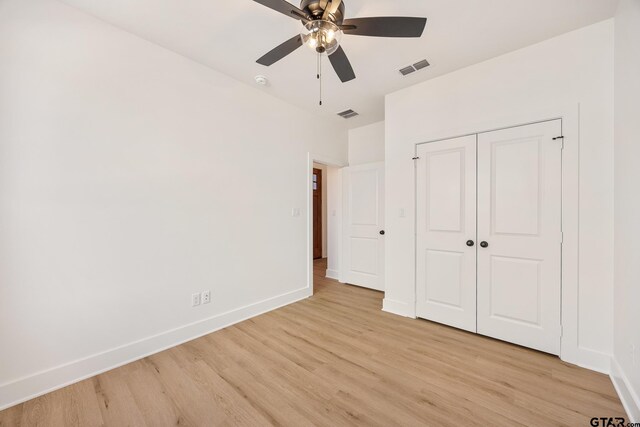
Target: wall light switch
column 295, row 212
column 402, row 213
column 195, row 300
column 206, row 297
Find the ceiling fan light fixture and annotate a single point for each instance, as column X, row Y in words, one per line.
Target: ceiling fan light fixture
column 322, row 36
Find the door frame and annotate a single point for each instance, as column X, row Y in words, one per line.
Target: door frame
column 327, row 161
column 570, row 349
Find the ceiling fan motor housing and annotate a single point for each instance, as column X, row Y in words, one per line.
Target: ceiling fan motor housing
column 315, row 9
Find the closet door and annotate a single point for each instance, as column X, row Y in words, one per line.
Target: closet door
column 519, row 234
column 446, row 232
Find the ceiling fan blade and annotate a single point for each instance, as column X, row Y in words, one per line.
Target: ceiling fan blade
column 285, row 8
column 281, row 51
column 331, row 9
column 385, row 26
column 342, row 65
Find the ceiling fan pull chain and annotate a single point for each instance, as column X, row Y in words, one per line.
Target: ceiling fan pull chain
column 320, row 75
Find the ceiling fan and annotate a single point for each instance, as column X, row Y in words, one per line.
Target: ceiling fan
column 324, row 25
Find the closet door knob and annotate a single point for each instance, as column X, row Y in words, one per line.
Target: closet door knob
column 382, row 232
column 470, row 243
column 484, row 244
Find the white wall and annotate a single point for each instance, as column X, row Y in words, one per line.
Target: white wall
column 130, row 178
column 366, row 144
column 575, row 69
column 627, row 205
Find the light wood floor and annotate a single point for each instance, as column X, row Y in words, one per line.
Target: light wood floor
column 334, row 359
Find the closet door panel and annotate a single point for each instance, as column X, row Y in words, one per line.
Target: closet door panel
column 446, row 232
column 519, row 218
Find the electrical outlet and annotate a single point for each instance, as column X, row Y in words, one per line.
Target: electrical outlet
column 195, row 300
column 206, row 297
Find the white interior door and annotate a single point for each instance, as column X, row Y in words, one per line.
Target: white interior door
column 364, row 226
column 446, row 232
column 519, row 222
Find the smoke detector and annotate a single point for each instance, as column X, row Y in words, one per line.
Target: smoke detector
column 262, row 80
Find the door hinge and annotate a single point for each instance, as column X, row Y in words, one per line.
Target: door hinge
column 561, row 139
column 561, row 237
column 561, row 331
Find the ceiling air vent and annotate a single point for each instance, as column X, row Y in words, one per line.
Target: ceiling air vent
column 420, row 65
column 407, row 70
column 347, row 114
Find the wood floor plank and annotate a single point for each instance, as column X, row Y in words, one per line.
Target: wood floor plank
column 11, row 417
column 81, row 406
column 150, row 396
column 332, row 360
column 262, row 397
column 117, row 404
column 44, row 411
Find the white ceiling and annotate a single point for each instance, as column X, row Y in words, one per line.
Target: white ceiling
column 230, row 35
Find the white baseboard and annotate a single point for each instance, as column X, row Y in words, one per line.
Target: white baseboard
column 590, row 359
column 29, row 387
column 333, row 274
column 398, row 308
column 629, row 397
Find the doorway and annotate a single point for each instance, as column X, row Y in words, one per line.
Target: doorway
column 324, row 222
column 319, row 217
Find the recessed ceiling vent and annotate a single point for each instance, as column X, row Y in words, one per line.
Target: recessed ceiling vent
column 420, row 65
column 407, row 70
column 347, row 114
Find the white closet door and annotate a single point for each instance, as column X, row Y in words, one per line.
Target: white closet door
column 519, row 220
column 364, row 225
column 446, row 232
